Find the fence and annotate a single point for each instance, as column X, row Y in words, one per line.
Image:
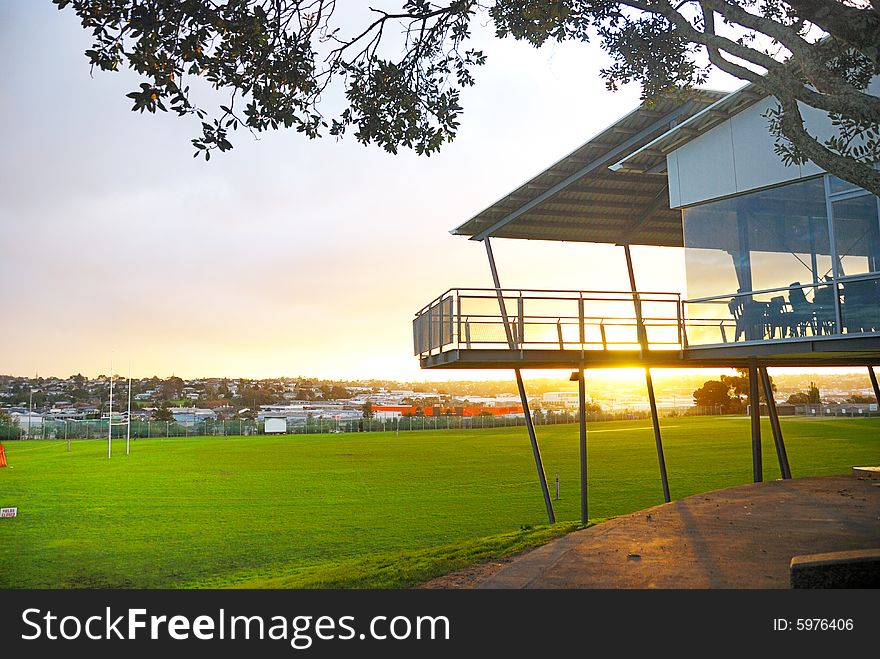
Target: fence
column 97, row 429
column 853, row 410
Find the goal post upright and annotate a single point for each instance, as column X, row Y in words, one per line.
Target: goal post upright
column 128, row 418
column 110, row 417
column 126, row 422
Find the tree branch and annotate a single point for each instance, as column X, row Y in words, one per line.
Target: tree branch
column 806, row 55
column 791, row 124
column 860, row 28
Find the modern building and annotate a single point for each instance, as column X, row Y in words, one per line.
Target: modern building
column 782, row 262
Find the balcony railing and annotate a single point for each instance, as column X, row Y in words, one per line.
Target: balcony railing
column 542, row 319
column 792, row 312
column 620, row 320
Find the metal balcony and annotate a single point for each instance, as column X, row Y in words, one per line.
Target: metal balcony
column 546, row 326
column 465, row 328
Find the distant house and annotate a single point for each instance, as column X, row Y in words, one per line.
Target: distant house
column 567, row 398
column 188, row 416
column 65, row 413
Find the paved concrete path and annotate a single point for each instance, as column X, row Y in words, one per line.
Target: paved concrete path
column 741, row 537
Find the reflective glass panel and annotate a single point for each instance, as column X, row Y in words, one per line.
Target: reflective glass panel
column 839, row 185
column 767, row 239
column 857, row 235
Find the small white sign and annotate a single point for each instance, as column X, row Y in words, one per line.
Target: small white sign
column 8, row 512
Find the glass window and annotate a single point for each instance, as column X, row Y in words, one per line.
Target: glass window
column 778, row 240
column 839, row 185
column 767, row 239
column 860, row 304
column 857, row 235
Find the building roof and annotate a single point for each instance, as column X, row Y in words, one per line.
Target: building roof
column 581, row 199
column 647, row 157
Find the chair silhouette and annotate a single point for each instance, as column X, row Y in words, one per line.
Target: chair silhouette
column 801, row 311
column 749, row 317
column 778, row 318
column 823, row 308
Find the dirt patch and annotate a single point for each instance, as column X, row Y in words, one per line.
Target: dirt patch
column 472, row 575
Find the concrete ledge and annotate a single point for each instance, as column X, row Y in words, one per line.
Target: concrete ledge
column 839, row 569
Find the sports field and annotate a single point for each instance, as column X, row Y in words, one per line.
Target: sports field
column 355, row 510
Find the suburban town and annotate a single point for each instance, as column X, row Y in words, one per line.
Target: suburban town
column 35, row 406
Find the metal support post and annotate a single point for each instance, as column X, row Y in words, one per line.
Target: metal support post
column 874, row 384
column 649, row 382
column 755, row 413
column 773, row 413
column 641, row 335
column 582, row 419
column 536, row 452
column 658, row 441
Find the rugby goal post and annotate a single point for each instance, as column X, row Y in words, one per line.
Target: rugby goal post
column 126, row 422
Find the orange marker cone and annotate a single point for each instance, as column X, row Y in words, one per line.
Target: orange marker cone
column 2, row 456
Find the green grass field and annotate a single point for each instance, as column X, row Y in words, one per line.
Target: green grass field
column 355, row 510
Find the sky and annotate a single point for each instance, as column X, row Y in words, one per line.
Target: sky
column 285, row 256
